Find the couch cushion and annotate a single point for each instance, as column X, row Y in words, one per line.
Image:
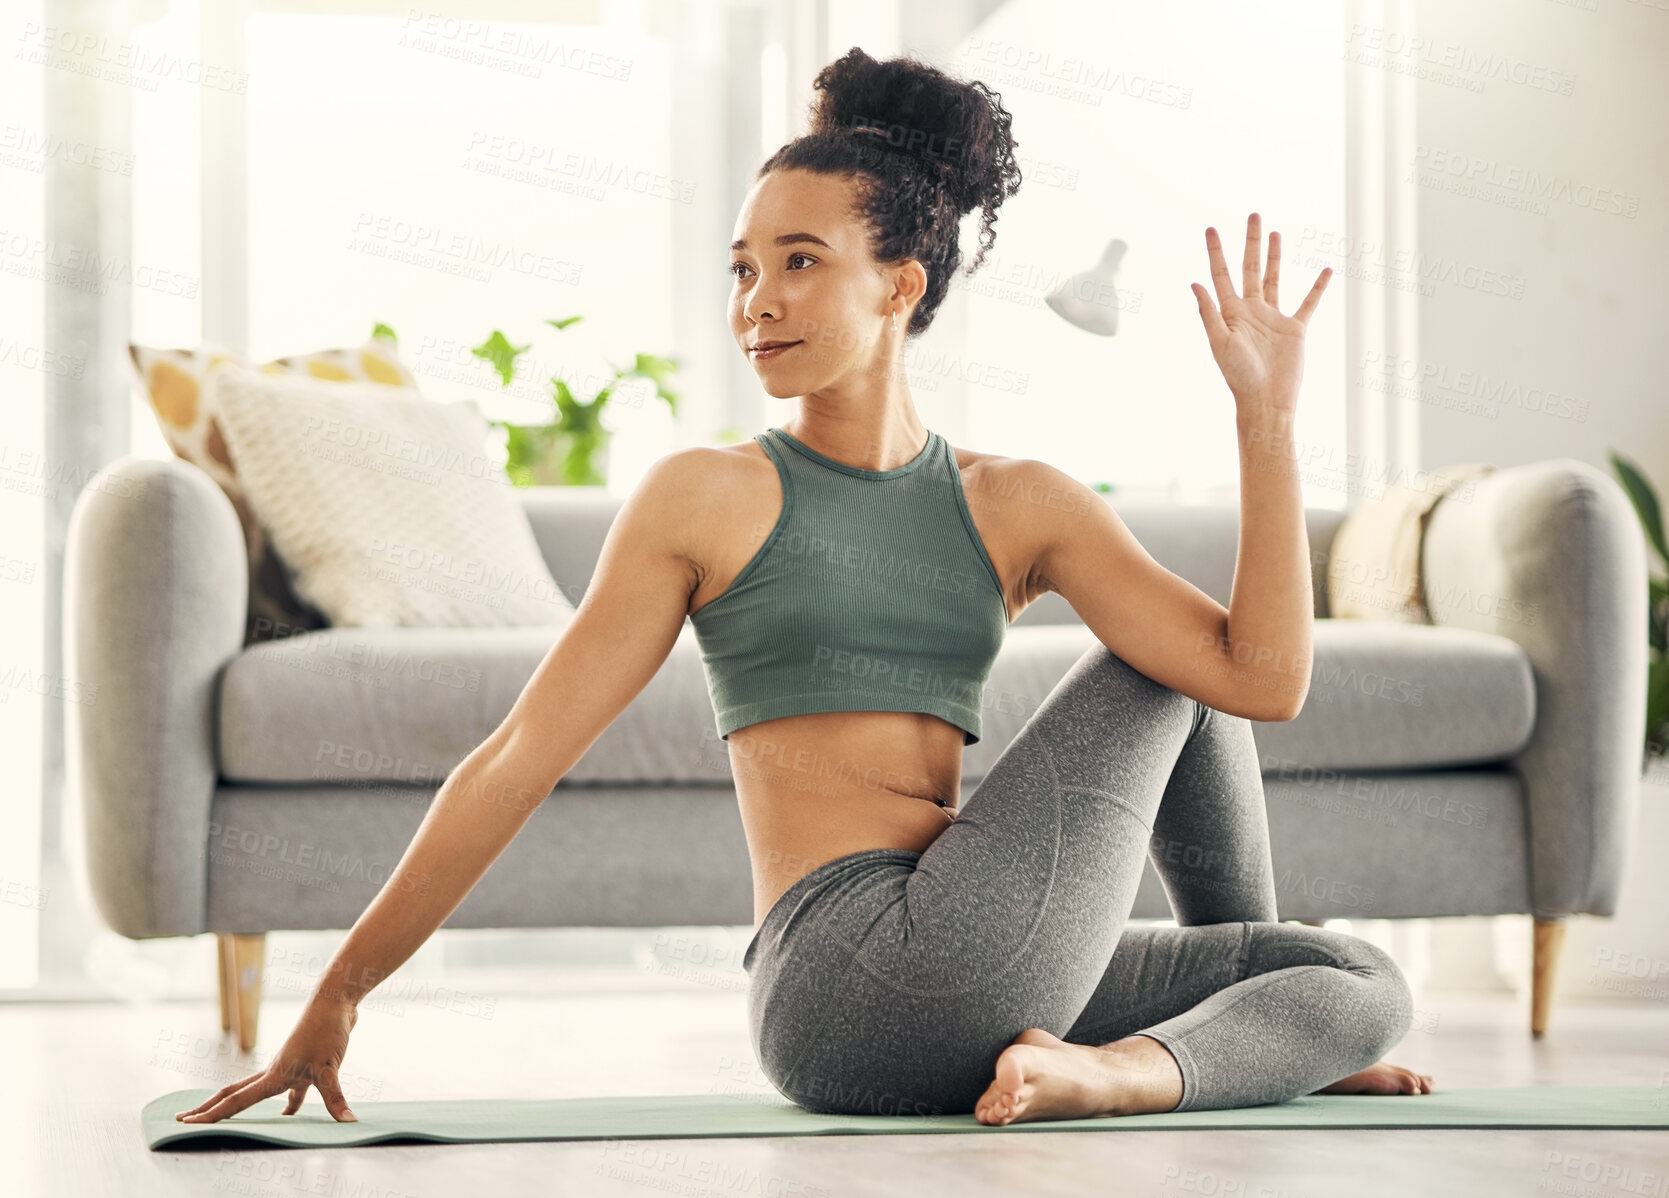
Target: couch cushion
column 405, row 705
column 1385, row 695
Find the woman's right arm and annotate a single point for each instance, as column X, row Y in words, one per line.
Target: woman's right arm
column 621, row 633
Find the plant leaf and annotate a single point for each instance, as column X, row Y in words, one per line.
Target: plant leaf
column 657, row 368
column 498, row 350
column 1657, row 702
column 381, row 330
column 1657, row 614
column 1644, row 499
column 564, row 322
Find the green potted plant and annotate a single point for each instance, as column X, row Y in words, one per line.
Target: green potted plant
column 1645, row 502
column 571, row 449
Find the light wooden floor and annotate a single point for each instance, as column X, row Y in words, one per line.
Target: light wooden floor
column 77, row 1074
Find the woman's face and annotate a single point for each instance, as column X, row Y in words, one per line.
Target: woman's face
column 803, row 273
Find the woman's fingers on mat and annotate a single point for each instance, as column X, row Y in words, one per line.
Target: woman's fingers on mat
column 242, row 1095
column 330, row 1089
column 229, row 1088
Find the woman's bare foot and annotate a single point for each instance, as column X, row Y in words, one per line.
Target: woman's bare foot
column 1382, row 1078
column 1041, row 1076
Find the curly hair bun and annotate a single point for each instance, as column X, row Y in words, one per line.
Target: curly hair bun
column 957, row 129
column 925, row 150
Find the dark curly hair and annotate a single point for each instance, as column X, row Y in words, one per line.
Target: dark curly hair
column 926, row 149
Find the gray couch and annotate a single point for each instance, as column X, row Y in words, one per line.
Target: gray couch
column 1484, row 764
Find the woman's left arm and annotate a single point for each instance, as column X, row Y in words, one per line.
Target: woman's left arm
column 1261, row 355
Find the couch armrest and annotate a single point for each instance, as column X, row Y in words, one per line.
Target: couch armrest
column 1551, row 555
column 156, row 582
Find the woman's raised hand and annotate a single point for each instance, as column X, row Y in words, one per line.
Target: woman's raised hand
column 312, row 1056
column 1259, row 351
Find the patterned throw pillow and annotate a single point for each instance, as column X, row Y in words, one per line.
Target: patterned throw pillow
column 175, row 384
column 386, row 507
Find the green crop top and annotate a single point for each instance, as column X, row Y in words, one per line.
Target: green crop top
column 873, row 592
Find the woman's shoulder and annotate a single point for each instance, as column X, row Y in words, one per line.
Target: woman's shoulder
column 703, row 471
column 1015, row 486
column 700, row 487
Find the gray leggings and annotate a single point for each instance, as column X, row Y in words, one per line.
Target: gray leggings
column 889, row 981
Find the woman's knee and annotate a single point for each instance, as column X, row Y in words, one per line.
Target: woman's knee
column 1391, row 1005
column 1111, row 670
column 1396, row 1000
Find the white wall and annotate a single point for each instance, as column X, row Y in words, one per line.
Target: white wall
column 1570, row 208
column 1591, row 322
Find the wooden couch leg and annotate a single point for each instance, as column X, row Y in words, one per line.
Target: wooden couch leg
column 1550, row 937
column 223, row 944
column 241, row 958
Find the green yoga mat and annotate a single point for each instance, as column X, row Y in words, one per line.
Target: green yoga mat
column 695, row 1116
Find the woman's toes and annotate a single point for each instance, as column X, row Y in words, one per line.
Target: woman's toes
column 1006, row 1086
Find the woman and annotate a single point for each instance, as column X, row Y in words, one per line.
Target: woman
column 850, row 576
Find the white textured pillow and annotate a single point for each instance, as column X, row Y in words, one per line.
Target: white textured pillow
column 384, row 505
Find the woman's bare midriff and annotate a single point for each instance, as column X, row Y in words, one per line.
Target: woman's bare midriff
column 819, row 786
